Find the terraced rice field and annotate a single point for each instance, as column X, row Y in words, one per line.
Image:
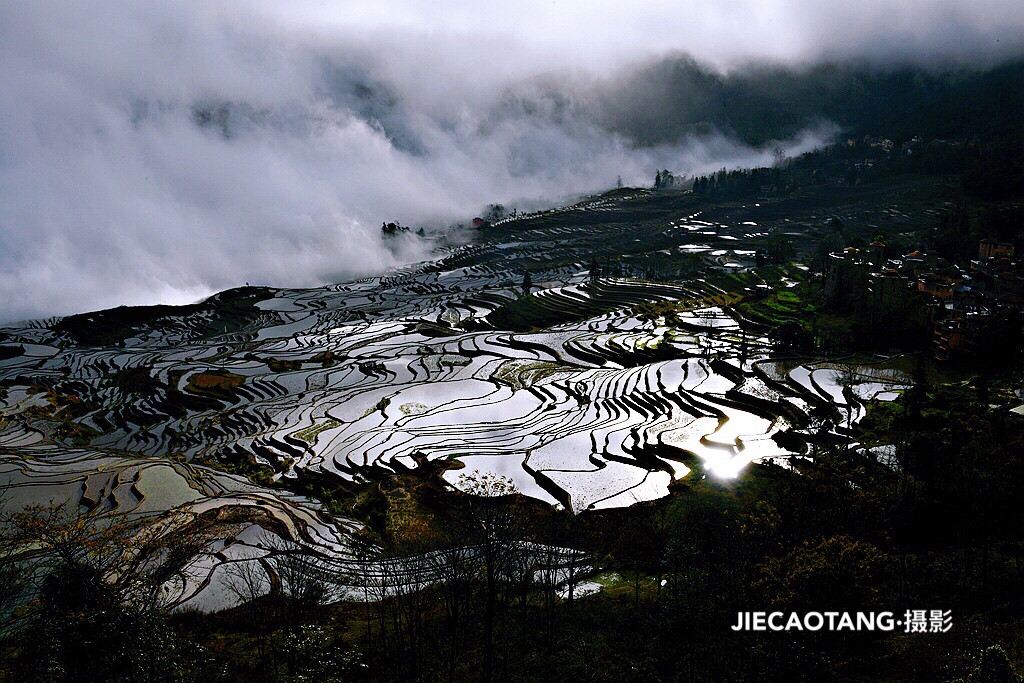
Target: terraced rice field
column 567, row 391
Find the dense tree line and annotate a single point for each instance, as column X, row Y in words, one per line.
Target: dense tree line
column 763, row 103
column 736, row 183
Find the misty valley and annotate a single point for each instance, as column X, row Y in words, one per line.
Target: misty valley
column 745, row 402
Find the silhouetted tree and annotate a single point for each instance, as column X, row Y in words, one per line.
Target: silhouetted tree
column 496, row 528
column 780, row 248
column 99, row 611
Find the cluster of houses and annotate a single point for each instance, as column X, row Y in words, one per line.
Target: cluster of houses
column 887, row 145
column 870, row 141
column 959, row 302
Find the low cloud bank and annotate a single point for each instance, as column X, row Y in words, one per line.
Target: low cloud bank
column 161, row 152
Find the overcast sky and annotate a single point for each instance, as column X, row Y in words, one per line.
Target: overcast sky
column 159, row 152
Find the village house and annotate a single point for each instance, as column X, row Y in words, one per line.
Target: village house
column 953, row 337
column 990, row 249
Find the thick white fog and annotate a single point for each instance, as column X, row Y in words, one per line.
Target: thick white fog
column 159, row 152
